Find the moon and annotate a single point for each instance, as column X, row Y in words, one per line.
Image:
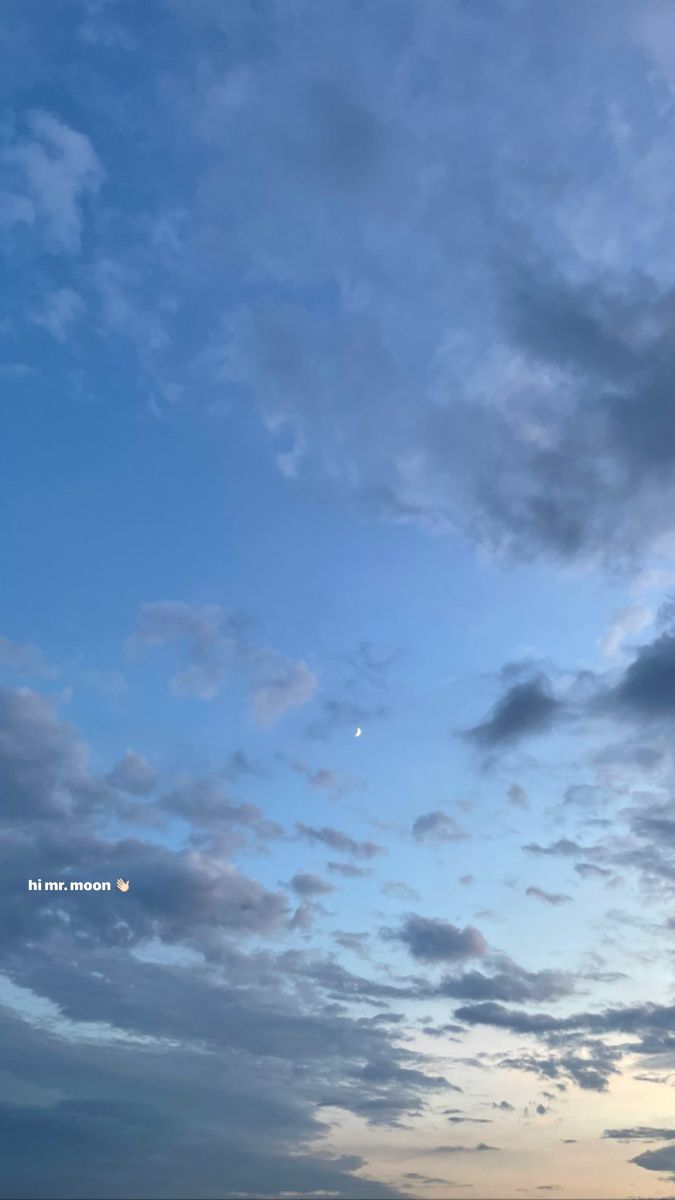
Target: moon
column 358, row 731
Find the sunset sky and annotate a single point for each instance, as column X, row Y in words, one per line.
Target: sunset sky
column 338, row 392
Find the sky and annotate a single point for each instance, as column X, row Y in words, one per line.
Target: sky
column 337, row 394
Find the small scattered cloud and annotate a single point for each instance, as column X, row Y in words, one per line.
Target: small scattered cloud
column 305, row 884
column 437, row 826
column 548, row 897
column 335, row 839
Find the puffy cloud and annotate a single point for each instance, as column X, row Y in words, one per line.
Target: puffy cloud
column 431, row 940
column 310, row 885
column 279, row 685
column 41, row 760
column 48, row 173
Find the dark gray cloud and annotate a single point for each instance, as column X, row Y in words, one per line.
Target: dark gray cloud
column 657, row 1160
column 431, row 940
column 449, row 1028
column 124, row 1113
column 437, row 826
column 338, row 841
column 525, row 708
column 647, row 688
column 640, row 1133
column 576, row 1042
column 470, row 1120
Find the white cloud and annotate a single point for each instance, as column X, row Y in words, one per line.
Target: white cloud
column 48, row 175
column 57, row 312
column 627, row 622
column 214, row 645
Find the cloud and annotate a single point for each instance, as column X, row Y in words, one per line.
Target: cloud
column 214, row 820
column 109, row 683
column 480, row 1148
column 347, row 870
column 279, row 686
column 590, row 871
column 324, row 779
column 650, row 1024
column 647, row 688
column 657, row 1160
column 524, row 709
column 437, row 826
column 133, row 774
column 24, row 661
column 341, row 842
column 57, row 311
column 627, row 622
column 431, row 940
column 343, row 714
column 42, row 763
column 399, row 890
column 510, row 983
column 548, row 897
column 310, row 885
column 215, row 644
column 517, row 796
column 48, row 174
column 564, row 847
column 640, row 1133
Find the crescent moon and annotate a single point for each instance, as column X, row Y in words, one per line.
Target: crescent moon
column 358, row 731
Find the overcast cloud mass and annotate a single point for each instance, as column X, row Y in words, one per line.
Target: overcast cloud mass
column 338, row 356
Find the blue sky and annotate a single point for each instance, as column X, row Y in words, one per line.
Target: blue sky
column 337, row 393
